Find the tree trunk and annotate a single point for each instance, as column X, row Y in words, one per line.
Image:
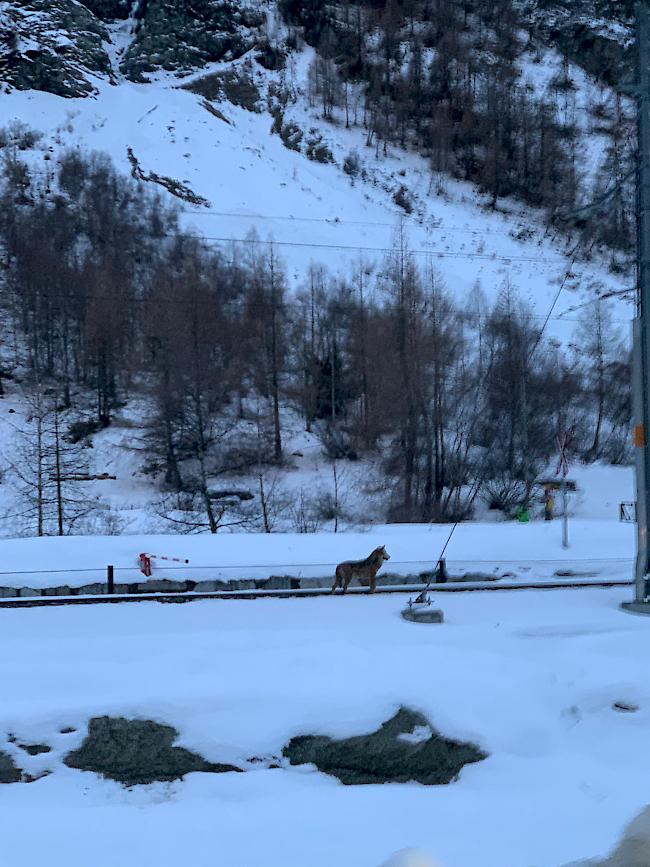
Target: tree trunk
column 57, row 453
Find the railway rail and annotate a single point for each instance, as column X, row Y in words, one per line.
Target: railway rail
column 310, row 592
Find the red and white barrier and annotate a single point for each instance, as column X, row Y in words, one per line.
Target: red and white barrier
column 145, row 562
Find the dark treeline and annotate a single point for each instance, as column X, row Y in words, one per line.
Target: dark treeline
column 106, row 299
column 445, row 78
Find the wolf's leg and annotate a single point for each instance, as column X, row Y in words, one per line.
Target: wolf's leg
column 373, row 584
column 346, row 582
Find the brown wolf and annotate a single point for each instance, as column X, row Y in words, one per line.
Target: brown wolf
column 365, row 570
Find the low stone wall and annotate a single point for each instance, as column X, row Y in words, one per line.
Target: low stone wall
column 273, row 582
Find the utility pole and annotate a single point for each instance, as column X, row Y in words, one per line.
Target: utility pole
column 641, row 333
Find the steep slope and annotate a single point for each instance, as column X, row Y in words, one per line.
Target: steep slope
column 243, row 147
column 60, row 46
column 250, row 179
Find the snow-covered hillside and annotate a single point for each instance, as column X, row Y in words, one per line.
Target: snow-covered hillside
column 241, row 145
column 227, row 155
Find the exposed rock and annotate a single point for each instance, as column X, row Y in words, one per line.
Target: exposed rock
column 215, row 111
column 384, row 756
column 266, row 763
column 35, row 749
column 32, row 778
column 137, row 752
column 237, row 87
column 52, row 45
column 9, row 773
column 594, row 34
column 183, row 36
column 572, row 573
column 176, row 188
column 109, row 10
column 625, row 707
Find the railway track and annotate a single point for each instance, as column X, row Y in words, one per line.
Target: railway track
column 309, row 593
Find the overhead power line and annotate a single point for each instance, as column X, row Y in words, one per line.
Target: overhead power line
column 337, row 221
column 356, row 248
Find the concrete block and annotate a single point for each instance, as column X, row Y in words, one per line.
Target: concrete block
column 423, row 614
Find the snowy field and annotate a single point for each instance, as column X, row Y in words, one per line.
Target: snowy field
column 529, row 676
column 523, row 551
column 600, row 546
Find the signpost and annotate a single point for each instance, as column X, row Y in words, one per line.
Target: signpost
column 627, row 513
column 562, row 442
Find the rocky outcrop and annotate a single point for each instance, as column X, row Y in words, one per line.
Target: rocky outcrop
column 180, row 37
column 9, row 773
column 110, row 10
column 59, row 45
column 594, row 34
column 52, row 45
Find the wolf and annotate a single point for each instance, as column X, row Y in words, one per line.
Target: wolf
column 365, row 570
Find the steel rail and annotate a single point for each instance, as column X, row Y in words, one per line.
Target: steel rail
column 307, row 592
